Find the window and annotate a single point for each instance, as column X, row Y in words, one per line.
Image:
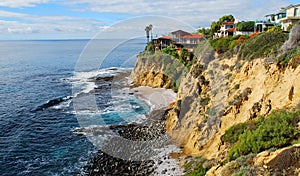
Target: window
column 273, row 18
column 296, row 11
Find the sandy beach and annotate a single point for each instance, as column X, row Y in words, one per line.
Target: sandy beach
column 156, row 98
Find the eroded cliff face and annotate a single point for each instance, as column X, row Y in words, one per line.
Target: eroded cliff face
column 157, row 70
column 226, row 93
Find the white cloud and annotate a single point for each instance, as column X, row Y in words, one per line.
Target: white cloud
column 20, row 23
column 21, row 3
column 7, row 14
column 195, row 12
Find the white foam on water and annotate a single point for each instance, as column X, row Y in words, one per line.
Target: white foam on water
column 63, row 105
column 84, row 82
column 169, row 166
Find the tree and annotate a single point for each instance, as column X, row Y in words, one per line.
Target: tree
column 148, row 29
column 245, row 26
column 151, row 27
column 204, row 31
column 215, row 26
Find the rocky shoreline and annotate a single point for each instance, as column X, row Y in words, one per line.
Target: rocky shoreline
column 135, row 148
column 153, row 129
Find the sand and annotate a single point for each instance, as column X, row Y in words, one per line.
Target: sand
column 156, row 98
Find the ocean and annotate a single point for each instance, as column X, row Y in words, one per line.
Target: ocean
column 37, row 116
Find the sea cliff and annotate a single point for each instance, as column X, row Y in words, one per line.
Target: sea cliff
column 217, row 93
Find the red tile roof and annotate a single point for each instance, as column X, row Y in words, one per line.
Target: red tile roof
column 231, row 29
column 192, row 36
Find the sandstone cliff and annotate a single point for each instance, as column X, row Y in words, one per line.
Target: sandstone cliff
column 216, row 94
column 213, row 100
column 158, row 70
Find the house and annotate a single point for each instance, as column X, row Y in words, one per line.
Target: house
column 191, row 41
column 177, row 34
column 179, row 39
column 227, row 29
column 165, row 41
column 262, row 25
column 162, row 42
column 286, row 16
column 187, row 39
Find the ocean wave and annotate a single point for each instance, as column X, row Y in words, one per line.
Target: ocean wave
column 87, row 82
column 63, row 105
column 91, row 75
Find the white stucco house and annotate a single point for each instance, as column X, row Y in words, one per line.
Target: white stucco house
column 286, row 16
column 226, row 29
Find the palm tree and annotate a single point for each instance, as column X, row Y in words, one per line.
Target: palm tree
column 148, row 29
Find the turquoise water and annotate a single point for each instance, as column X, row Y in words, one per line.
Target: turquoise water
column 36, row 108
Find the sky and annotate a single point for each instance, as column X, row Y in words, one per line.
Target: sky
column 83, row 19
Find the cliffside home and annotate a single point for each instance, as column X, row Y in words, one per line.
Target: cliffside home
column 191, row 41
column 262, row 25
column 186, row 39
column 286, row 16
column 176, row 35
column 162, row 42
column 227, row 29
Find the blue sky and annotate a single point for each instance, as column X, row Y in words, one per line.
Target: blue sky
column 61, row 19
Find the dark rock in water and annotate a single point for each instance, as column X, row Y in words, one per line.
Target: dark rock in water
column 105, row 164
column 108, row 78
column 51, row 103
column 164, row 171
column 113, row 69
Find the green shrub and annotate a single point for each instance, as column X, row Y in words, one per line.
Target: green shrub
column 228, row 75
column 262, row 45
column 227, row 44
column 277, row 130
column 204, row 101
column 233, row 133
column 150, row 47
column 194, row 167
column 222, row 45
column 237, row 86
column 200, row 171
column 170, row 50
column 292, row 57
column 186, row 58
column 246, row 26
column 275, row 29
